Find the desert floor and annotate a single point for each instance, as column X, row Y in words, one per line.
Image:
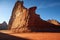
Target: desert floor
column 8, row 35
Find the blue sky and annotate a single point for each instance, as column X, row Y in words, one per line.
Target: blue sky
column 47, row 9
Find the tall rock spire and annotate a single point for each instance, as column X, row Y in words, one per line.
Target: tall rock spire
column 26, row 20
column 17, row 8
column 22, row 18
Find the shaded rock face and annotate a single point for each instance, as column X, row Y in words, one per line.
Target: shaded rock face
column 26, row 20
column 3, row 26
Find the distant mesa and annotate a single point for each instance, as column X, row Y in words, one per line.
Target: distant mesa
column 55, row 22
column 26, row 20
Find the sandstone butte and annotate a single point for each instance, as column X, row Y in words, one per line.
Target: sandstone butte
column 26, row 20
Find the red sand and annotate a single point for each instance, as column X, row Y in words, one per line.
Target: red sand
column 36, row 36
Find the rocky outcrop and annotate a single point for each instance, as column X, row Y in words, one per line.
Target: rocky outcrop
column 55, row 22
column 19, row 18
column 26, row 20
column 3, row 26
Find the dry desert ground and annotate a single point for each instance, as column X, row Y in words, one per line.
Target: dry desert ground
column 8, row 35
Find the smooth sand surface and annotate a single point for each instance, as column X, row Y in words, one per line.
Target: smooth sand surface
column 35, row 36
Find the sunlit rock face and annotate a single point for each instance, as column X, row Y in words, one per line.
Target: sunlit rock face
column 19, row 18
column 26, row 20
column 53, row 22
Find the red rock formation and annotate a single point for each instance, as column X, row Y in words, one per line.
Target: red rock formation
column 3, row 26
column 55, row 22
column 26, row 20
column 19, row 18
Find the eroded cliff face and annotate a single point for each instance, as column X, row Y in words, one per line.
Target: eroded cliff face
column 26, row 20
column 19, row 18
column 22, row 18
